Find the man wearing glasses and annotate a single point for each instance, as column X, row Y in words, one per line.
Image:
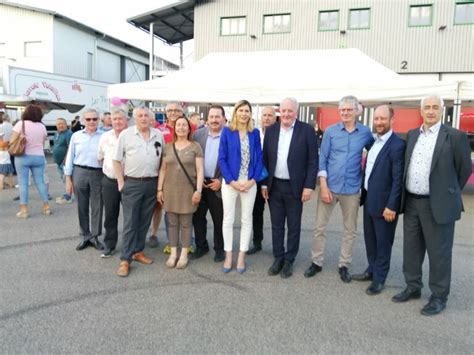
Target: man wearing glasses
column 136, row 164
column 340, row 179
column 83, row 173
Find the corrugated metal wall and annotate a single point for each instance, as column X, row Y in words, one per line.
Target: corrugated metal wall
column 389, row 39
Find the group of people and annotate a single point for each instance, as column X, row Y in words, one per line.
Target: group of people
column 187, row 171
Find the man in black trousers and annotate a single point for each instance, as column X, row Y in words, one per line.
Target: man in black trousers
column 268, row 118
column 437, row 166
column 290, row 153
column 209, row 138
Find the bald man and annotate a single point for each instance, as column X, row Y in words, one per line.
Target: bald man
column 382, row 187
column 268, row 118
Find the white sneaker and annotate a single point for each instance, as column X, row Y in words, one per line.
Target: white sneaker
column 62, row 201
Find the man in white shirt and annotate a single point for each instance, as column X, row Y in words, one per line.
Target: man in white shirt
column 437, row 166
column 110, row 193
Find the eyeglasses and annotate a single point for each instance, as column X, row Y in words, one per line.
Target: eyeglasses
column 157, row 148
column 92, row 119
column 174, row 110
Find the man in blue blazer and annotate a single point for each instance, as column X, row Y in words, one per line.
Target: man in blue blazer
column 381, row 195
column 290, row 153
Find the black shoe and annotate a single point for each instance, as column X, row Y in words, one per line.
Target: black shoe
column 287, row 270
column 312, row 270
column 276, row 267
column 406, row 295
column 365, row 276
column 83, row 244
column 345, row 274
column 16, row 198
column 199, row 253
column 433, row 307
column 375, row 288
column 96, row 244
column 153, row 241
column 255, row 249
column 107, row 253
column 220, row 256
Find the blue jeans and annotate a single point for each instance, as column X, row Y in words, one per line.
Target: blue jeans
column 60, row 167
column 23, row 165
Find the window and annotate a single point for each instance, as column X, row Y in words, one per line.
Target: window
column 328, row 20
column 420, row 15
column 33, row 49
column 90, row 63
column 359, row 19
column 2, row 50
column 464, row 13
column 233, row 26
column 276, row 23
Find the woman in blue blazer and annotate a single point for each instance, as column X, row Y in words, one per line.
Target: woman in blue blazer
column 240, row 161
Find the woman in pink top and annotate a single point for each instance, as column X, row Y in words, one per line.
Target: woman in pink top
column 33, row 159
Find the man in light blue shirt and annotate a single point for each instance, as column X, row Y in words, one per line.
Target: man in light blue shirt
column 340, row 177
column 84, row 175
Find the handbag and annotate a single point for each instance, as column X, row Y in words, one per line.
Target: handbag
column 17, row 147
column 263, row 174
column 182, row 167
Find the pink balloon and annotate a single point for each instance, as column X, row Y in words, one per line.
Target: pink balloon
column 123, row 101
column 116, row 101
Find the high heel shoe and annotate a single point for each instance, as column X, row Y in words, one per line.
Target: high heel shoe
column 47, row 212
column 241, row 271
column 171, row 262
column 182, row 263
column 22, row 214
column 226, row 270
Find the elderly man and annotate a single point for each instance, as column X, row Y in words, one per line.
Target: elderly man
column 268, row 118
column 437, row 166
column 209, row 138
column 340, row 177
column 136, row 165
column 106, row 122
column 84, row 176
column 110, row 192
column 290, row 153
column 62, row 137
column 381, row 196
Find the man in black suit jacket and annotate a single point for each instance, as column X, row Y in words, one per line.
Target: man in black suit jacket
column 437, row 166
column 290, row 153
column 381, row 195
column 208, row 138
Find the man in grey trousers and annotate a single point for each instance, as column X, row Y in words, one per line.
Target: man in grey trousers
column 136, row 164
column 437, row 166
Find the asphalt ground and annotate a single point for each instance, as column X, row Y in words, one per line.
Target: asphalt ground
column 55, row 300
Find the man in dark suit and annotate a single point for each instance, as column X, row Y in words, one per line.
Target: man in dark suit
column 437, row 166
column 381, row 196
column 290, row 153
column 209, row 138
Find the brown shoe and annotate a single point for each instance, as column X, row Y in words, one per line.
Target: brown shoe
column 141, row 258
column 123, row 269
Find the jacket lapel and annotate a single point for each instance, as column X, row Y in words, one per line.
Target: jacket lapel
column 294, row 139
column 382, row 152
column 411, row 141
column 442, row 134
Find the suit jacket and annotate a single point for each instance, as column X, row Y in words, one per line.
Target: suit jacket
column 200, row 136
column 302, row 156
column 386, row 179
column 230, row 155
column 450, row 169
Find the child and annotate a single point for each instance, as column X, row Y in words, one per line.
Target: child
column 6, row 167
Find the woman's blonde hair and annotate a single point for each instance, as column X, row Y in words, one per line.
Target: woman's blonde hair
column 233, row 121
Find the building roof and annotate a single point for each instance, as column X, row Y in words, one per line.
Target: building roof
column 173, row 23
column 79, row 24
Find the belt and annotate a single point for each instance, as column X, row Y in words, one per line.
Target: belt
column 285, row 180
column 87, row 167
column 418, row 197
column 146, row 178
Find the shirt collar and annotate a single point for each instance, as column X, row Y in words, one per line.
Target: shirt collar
column 383, row 138
column 433, row 129
column 152, row 131
column 291, row 127
column 216, row 136
column 342, row 127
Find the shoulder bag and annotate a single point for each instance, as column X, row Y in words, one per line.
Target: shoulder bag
column 17, row 147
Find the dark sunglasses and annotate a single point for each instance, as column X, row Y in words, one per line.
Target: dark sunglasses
column 157, row 148
column 92, row 119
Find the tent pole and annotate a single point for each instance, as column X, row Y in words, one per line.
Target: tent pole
column 457, row 108
column 152, row 52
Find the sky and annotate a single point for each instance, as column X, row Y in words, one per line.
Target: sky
column 110, row 17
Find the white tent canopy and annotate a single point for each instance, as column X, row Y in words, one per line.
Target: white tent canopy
column 313, row 76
